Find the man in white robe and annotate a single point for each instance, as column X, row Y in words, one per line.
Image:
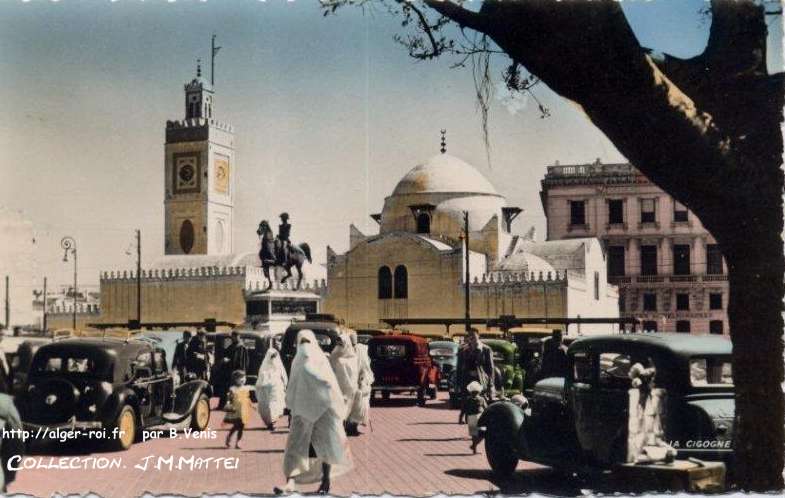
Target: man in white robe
column 359, row 412
column 271, row 388
column 316, row 447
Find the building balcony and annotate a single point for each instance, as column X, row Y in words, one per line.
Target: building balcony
column 578, row 227
column 715, row 278
column 649, row 279
column 619, row 279
column 683, row 278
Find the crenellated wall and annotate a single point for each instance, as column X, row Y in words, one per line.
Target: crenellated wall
column 187, row 294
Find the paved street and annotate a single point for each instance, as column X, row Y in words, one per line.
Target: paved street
column 409, row 451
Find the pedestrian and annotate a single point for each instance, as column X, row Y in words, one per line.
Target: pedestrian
column 316, row 446
column 359, row 413
column 238, row 409
column 474, row 406
column 271, row 388
column 180, row 356
column 554, row 357
column 198, row 363
column 475, row 363
column 235, row 357
column 11, row 444
column 344, row 363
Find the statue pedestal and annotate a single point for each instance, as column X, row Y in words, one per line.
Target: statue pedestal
column 679, row 476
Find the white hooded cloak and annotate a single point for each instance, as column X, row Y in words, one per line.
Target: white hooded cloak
column 344, row 363
column 271, row 387
column 360, row 410
column 316, row 403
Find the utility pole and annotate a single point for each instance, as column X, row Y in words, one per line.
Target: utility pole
column 139, row 276
column 214, row 50
column 466, row 282
column 43, row 321
column 7, row 304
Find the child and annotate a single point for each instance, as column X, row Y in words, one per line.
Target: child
column 239, row 407
column 474, row 406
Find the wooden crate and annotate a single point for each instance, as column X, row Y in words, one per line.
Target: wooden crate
column 681, row 475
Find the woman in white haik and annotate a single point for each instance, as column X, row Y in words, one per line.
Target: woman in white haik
column 359, row 412
column 316, row 447
column 344, row 362
column 271, row 388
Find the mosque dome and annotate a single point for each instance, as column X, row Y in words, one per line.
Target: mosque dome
column 444, row 173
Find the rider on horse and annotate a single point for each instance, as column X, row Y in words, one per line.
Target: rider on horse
column 284, row 244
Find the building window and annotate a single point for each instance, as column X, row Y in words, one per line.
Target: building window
column 401, row 282
column 650, row 326
column 648, row 260
column 385, row 283
column 681, row 259
column 649, row 301
column 577, row 212
column 716, row 327
column 596, row 286
column 682, row 302
column 615, row 211
column 683, row 326
column 616, row 261
column 648, row 213
column 680, row 213
column 423, row 223
column 715, row 301
column 713, row 259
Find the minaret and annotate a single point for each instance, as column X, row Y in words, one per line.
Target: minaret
column 199, row 162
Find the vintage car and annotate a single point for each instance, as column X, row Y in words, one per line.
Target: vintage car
column 505, row 361
column 581, row 421
column 103, row 384
column 255, row 344
column 402, row 363
column 324, row 326
column 20, row 361
column 445, row 356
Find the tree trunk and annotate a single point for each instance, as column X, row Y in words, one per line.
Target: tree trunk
column 755, row 272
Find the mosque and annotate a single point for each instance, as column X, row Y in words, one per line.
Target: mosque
column 414, row 267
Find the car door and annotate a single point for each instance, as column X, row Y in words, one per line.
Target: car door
column 161, row 386
column 601, row 404
column 143, row 384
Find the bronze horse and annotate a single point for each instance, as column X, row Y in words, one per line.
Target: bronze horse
column 298, row 255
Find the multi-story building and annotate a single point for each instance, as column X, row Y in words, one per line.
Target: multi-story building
column 670, row 271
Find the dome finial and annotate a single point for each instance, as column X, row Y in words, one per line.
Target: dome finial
column 198, row 68
column 444, row 141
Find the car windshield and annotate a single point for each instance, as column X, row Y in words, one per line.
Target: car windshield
column 711, row 371
column 442, row 352
column 390, row 351
column 66, row 364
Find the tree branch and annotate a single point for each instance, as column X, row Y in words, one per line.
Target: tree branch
column 465, row 18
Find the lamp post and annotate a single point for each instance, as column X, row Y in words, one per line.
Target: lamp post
column 68, row 244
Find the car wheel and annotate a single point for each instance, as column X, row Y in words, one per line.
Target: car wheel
column 432, row 393
column 200, row 416
column 421, row 397
column 126, row 423
column 500, row 452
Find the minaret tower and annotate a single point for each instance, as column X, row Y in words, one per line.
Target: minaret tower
column 199, row 176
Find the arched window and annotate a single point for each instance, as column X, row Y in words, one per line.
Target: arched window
column 401, row 282
column 423, row 223
column 385, row 283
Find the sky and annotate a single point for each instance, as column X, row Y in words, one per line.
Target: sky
column 329, row 113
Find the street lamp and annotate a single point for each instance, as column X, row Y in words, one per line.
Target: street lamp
column 69, row 245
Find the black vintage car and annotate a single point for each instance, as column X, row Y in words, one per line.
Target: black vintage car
column 581, row 421
column 325, row 327
column 103, row 384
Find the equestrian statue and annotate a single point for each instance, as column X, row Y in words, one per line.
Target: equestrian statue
column 279, row 251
